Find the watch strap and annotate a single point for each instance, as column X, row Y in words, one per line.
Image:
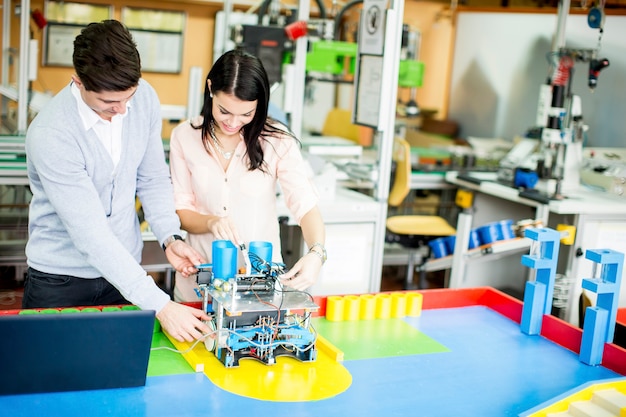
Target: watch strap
column 170, row 240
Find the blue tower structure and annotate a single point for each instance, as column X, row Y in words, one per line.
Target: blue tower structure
column 538, row 293
column 599, row 325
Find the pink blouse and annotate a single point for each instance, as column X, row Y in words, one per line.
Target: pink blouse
column 247, row 197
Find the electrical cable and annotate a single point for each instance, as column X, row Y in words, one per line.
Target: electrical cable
column 342, row 11
column 269, row 326
column 247, row 339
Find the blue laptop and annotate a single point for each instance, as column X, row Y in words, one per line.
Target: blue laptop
column 74, row 351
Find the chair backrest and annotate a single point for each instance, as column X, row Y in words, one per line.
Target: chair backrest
column 339, row 123
column 402, row 180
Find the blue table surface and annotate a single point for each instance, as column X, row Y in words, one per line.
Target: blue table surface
column 491, row 369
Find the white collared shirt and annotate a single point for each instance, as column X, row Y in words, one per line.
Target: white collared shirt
column 109, row 133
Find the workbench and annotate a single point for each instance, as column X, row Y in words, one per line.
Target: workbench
column 599, row 219
column 463, row 356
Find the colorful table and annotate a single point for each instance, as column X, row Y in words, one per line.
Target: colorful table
column 464, row 356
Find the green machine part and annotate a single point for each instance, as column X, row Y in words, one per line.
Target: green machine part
column 330, row 57
column 410, row 74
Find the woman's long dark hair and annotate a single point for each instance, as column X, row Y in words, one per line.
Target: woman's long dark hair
column 242, row 75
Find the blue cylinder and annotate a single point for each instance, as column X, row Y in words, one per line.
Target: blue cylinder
column 474, row 242
column 261, row 255
column 438, row 247
column 450, row 242
column 506, row 227
column 490, row 233
column 525, row 179
column 224, row 255
column 474, row 239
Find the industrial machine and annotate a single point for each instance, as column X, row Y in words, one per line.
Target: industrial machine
column 559, row 115
column 253, row 316
column 272, row 32
column 411, row 70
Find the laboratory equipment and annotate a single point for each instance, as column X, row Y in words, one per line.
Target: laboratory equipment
column 254, row 316
column 560, row 115
column 605, row 169
column 411, row 70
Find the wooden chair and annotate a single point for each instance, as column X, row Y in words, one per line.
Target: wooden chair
column 411, row 231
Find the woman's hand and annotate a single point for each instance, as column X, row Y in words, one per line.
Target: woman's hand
column 304, row 273
column 224, row 229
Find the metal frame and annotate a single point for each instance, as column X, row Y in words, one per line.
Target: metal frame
column 20, row 95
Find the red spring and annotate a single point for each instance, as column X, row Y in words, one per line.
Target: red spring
column 562, row 72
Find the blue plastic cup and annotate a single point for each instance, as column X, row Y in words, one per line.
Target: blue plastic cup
column 224, row 259
column 506, row 227
column 450, row 242
column 263, row 252
column 490, row 233
column 438, row 247
column 474, row 239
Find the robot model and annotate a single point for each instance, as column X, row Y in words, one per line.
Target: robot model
column 253, row 316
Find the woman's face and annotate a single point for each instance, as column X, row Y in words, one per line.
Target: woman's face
column 231, row 114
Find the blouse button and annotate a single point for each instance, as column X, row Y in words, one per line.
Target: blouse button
column 224, row 208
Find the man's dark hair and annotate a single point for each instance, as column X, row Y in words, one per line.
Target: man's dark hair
column 106, row 57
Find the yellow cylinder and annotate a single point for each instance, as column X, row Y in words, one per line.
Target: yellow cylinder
column 351, row 306
column 334, row 308
column 414, row 304
column 398, row 305
column 383, row 306
column 367, row 308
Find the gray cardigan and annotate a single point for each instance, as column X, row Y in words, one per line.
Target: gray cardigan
column 82, row 218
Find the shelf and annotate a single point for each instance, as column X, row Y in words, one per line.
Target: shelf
column 488, row 252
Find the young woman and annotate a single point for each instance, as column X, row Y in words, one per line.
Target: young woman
column 227, row 165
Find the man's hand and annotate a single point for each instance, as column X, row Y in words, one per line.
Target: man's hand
column 182, row 322
column 183, row 257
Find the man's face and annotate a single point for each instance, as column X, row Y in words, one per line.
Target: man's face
column 105, row 103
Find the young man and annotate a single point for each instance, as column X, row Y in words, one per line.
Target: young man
column 94, row 148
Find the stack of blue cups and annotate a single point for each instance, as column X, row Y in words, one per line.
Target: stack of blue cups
column 450, row 242
column 493, row 232
column 489, row 233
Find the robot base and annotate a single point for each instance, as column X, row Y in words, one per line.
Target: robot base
column 262, row 335
column 253, row 317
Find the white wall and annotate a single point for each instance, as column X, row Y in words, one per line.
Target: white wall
column 500, row 62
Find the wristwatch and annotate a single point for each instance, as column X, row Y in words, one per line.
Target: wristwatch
column 322, row 255
column 170, row 240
